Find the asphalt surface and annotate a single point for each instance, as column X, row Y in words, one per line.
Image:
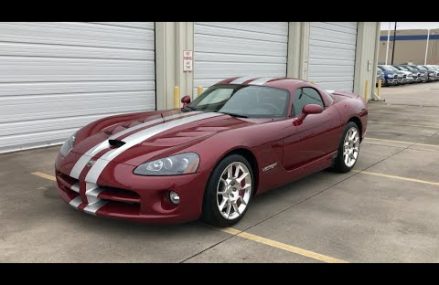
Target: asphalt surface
column 384, row 211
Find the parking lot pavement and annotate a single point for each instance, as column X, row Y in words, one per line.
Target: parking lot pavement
column 384, row 211
column 424, row 94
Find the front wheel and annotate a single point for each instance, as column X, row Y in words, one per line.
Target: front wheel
column 349, row 148
column 228, row 191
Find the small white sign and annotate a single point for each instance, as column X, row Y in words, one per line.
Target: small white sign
column 187, row 60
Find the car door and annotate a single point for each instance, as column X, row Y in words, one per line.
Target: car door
column 318, row 134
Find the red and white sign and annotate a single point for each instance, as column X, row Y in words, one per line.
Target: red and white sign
column 187, row 60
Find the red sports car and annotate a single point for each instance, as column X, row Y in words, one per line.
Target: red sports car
column 241, row 137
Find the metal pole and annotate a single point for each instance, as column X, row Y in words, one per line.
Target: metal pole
column 393, row 48
column 426, row 47
column 388, row 43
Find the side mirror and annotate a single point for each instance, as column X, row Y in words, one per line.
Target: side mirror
column 308, row 109
column 312, row 109
column 186, row 100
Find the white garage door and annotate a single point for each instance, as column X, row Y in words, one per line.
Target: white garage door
column 57, row 77
column 223, row 50
column 332, row 54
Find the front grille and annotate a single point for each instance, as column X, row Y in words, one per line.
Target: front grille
column 119, row 195
column 118, row 200
column 68, row 184
column 67, row 178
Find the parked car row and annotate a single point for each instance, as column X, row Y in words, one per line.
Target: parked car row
column 391, row 75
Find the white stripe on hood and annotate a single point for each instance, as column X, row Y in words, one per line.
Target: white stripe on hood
column 82, row 161
column 136, row 138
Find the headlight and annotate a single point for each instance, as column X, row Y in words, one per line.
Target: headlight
column 431, row 74
column 68, row 145
column 390, row 75
column 172, row 165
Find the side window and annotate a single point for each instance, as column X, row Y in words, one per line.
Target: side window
column 305, row 96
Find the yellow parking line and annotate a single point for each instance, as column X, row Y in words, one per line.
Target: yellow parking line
column 44, row 175
column 397, row 177
column 404, row 142
column 283, row 246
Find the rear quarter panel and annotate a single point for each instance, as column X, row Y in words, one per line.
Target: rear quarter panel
column 352, row 106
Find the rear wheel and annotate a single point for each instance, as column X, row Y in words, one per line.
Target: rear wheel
column 349, row 148
column 228, row 192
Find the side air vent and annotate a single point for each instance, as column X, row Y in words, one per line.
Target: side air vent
column 116, row 143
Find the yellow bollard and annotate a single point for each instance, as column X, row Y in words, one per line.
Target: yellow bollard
column 199, row 90
column 366, row 87
column 176, row 97
column 379, row 88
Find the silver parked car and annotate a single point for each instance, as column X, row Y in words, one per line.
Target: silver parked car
column 410, row 76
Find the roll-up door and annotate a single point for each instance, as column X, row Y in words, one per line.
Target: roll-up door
column 229, row 49
column 332, row 49
column 57, row 77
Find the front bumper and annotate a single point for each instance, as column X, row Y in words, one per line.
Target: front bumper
column 391, row 81
column 122, row 195
column 410, row 79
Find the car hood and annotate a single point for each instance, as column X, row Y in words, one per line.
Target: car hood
column 158, row 133
column 408, row 73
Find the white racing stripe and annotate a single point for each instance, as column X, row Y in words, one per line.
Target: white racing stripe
column 75, row 202
column 93, row 208
column 82, row 161
column 136, row 138
column 241, row 80
column 261, row 81
column 93, row 202
column 75, row 187
column 148, row 123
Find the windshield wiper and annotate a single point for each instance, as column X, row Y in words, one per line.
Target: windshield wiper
column 235, row 115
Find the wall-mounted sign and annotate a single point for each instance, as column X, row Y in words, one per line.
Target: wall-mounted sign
column 187, row 60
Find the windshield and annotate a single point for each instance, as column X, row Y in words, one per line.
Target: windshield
column 243, row 101
column 403, row 68
column 411, row 68
column 389, row 68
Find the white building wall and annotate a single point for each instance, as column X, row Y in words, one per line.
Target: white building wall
column 57, row 77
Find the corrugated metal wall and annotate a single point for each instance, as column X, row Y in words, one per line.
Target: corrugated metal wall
column 332, row 48
column 57, row 77
column 238, row 49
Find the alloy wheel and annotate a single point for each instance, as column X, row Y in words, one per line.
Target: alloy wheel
column 234, row 190
column 351, row 147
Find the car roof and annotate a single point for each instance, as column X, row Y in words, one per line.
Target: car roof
column 277, row 82
column 290, row 84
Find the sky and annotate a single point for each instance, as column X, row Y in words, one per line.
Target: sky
column 409, row 25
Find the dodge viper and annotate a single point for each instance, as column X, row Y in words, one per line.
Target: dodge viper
column 208, row 159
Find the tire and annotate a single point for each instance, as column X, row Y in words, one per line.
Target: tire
column 341, row 163
column 226, row 192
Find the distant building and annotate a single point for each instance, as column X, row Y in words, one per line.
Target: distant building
column 410, row 46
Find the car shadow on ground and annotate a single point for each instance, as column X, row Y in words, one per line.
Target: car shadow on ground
column 279, row 197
